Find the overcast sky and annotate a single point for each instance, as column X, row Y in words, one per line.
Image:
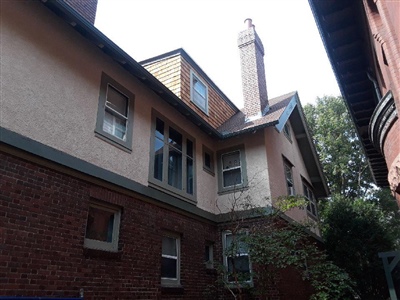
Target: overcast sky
column 295, row 58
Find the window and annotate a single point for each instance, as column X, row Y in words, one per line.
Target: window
column 236, row 257
column 198, row 93
column 232, row 168
column 102, row 228
column 311, row 206
column 286, row 131
column 208, row 160
column 209, row 255
column 170, row 260
column 289, row 177
column 172, row 159
column 114, row 114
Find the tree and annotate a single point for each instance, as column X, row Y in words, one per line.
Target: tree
column 358, row 220
column 275, row 244
column 354, row 232
column 339, row 148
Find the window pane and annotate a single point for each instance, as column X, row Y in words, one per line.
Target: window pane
column 231, row 160
column 175, row 168
column 241, row 265
column 169, row 246
column 199, row 100
column 232, row 177
column 169, row 268
column 100, row 225
column 189, row 176
column 160, row 129
column 199, row 87
column 117, row 101
column 175, row 139
column 114, row 125
column 189, row 148
column 158, row 159
column 207, row 160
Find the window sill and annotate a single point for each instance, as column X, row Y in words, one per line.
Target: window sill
column 314, row 217
column 172, row 289
column 109, row 139
column 209, row 171
column 159, row 186
column 102, row 254
column 233, row 190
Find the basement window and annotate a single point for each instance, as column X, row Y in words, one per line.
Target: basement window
column 102, row 227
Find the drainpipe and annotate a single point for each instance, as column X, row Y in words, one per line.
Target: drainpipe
column 377, row 91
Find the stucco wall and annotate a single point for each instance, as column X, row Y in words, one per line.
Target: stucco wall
column 258, row 189
column 277, row 146
column 50, row 89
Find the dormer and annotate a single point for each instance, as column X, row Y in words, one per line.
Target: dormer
column 179, row 73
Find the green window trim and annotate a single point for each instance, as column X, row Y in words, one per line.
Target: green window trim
column 172, row 159
column 114, row 122
column 232, row 169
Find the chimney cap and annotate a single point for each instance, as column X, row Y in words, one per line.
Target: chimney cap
column 249, row 23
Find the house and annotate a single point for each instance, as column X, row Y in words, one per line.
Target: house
column 362, row 40
column 117, row 176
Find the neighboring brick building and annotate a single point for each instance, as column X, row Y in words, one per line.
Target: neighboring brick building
column 117, row 177
column 362, row 40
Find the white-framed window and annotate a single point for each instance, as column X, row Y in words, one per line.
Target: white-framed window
column 288, row 169
column 312, row 204
column 170, row 259
column 198, row 92
column 102, row 227
column 236, row 257
column 172, row 164
column 115, row 113
column 232, row 169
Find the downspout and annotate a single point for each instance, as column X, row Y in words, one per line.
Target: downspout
column 377, row 91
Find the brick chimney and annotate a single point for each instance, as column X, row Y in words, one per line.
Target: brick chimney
column 87, row 8
column 253, row 73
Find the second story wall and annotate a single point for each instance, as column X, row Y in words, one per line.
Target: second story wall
column 52, row 86
column 282, row 152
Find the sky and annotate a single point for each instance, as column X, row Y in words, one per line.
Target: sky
column 295, row 58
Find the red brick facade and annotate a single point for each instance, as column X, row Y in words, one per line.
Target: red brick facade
column 43, row 218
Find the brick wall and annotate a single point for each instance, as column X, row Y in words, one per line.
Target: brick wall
column 43, row 217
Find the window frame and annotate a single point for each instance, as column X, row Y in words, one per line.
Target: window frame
column 225, row 257
column 105, row 82
column 290, row 186
column 209, row 251
column 167, row 281
column 287, row 131
column 211, row 154
column 194, row 76
column 312, row 201
column 100, row 245
column 243, row 166
column 163, row 184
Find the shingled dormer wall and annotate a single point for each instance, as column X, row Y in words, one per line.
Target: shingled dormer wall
column 174, row 71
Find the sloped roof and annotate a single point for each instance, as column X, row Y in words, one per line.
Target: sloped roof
column 237, row 124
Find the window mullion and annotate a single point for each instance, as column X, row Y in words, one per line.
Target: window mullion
column 184, row 163
column 165, row 154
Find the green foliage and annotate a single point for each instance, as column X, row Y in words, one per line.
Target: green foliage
column 274, row 245
column 338, row 146
column 358, row 220
column 355, row 231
